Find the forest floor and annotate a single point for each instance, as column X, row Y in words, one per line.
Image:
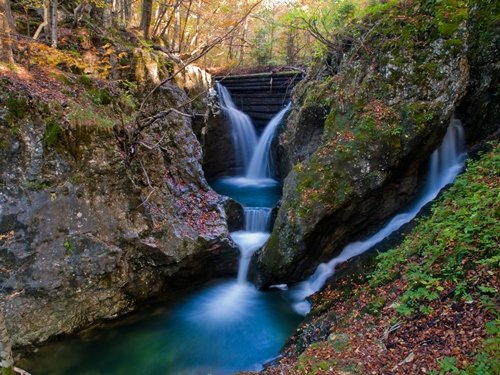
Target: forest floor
column 430, row 305
column 40, row 83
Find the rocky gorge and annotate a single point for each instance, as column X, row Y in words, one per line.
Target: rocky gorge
column 105, row 207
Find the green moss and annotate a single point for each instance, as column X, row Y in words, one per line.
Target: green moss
column 320, row 95
column 340, row 342
column 35, row 185
column 338, row 120
column 8, row 371
column 272, row 243
column 454, row 43
column 64, row 79
column 53, row 134
column 311, row 365
column 375, row 306
column 450, row 14
column 86, row 81
column 322, row 184
column 100, row 96
column 68, row 246
column 485, row 31
column 17, row 109
column 75, row 179
column 417, row 116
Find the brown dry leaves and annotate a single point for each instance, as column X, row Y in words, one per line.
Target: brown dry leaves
column 388, row 343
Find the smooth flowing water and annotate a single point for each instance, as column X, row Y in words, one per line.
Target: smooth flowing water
column 261, row 165
column 242, row 129
column 225, row 328
column 445, row 164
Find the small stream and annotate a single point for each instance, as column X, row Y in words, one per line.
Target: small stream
column 229, row 325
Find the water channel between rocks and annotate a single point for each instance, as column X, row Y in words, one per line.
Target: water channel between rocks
column 229, row 325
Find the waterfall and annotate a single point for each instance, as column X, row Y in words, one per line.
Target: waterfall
column 242, row 129
column 261, row 163
column 257, row 219
column 445, row 164
column 252, row 238
column 259, row 174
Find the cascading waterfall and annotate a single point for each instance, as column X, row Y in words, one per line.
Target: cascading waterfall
column 252, row 238
column 257, row 219
column 261, row 164
column 259, row 173
column 242, row 129
column 445, row 164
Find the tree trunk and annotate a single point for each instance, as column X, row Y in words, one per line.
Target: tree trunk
column 5, row 343
column 243, row 36
column 10, row 17
column 290, row 47
column 162, row 11
column 106, row 14
column 147, row 9
column 177, row 29
column 166, row 29
column 45, row 21
column 127, row 10
column 6, row 54
column 194, row 40
column 230, row 48
column 184, row 28
column 77, row 13
column 53, row 24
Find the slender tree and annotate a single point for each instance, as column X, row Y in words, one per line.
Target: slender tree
column 147, row 11
column 290, row 47
column 53, row 23
column 45, row 21
column 10, row 17
column 6, row 54
column 107, row 14
column 5, row 344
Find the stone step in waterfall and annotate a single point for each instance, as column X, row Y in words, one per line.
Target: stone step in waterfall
column 261, row 95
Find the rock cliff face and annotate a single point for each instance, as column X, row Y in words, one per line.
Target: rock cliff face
column 89, row 229
column 365, row 121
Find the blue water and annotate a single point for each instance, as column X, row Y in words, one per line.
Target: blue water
column 225, row 328
column 249, row 192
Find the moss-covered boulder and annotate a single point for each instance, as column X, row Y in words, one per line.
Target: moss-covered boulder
column 365, row 121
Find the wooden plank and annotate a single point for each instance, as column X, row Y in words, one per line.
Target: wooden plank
column 260, row 75
column 262, row 97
